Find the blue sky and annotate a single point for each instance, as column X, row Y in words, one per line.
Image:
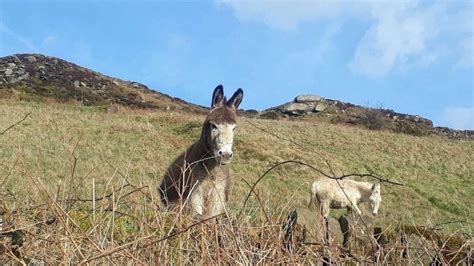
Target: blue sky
column 411, row 56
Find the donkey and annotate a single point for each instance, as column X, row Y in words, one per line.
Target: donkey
column 327, row 194
column 199, row 177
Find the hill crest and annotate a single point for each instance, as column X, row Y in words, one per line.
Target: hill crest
column 37, row 77
column 315, row 107
column 33, row 75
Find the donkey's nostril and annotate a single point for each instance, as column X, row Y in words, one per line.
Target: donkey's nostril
column 231, row 155
column 220, row 152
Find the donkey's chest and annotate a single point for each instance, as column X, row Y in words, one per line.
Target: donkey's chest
column 209, row 185
column 215, row 181
column 217, row 174
column 217, row 178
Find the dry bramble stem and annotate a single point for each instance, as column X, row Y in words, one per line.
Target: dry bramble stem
column 12, row 126
column 124, row 246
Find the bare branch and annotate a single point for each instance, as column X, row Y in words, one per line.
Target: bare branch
column 277, row 136
column 125, row 246
column 317, row 170
column 12, row 126
column 259, row 201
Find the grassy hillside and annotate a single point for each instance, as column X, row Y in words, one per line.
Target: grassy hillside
column 68, row 148
column 36, row 77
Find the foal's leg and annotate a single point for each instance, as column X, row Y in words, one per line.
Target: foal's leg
column 325, row 209
column 356, row 208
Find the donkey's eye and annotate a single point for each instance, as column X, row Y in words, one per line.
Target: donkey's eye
column 213, row 126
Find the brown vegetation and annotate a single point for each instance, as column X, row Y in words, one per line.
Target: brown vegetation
column 78, row 185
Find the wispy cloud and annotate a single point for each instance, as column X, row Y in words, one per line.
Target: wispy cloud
column 401, row 33
column 459, row 117
column 4, row 29
column 48, row 40
column 284, row 15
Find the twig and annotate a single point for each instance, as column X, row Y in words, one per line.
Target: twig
column 12, row 126
column 111, row 193
column 259, row 201
column 48, row 221
column 451, row 222
column 276, row 136
column 61, row 213
column 312, row 151
column 8, row 175
column 124, row 246
column 71, row 184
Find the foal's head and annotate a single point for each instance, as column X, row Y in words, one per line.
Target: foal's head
column 218, row 129
column 375, row 198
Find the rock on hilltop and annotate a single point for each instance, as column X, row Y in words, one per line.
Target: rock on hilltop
column 317, row 107
column 35, row 75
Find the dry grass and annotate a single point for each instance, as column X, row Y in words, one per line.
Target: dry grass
column 63, row 156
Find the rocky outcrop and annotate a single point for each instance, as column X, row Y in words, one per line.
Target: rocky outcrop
column 307, row 98
column 454, row 134
column 12, row 71
column 303, row 104
column 50, row 77
column 307, row 104
column 372, row 118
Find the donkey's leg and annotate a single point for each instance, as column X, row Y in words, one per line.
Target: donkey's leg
column 217, row 199
column 196, row 201
column 216, row 204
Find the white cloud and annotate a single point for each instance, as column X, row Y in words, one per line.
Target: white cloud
column 402, row 33
column 459, row 117
column 283, row 15
column 399, row 36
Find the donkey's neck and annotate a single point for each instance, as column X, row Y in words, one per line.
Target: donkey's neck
column 199, row 154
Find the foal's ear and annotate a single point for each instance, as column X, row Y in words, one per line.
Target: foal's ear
column 375, row 187
column 217, row 97
column 236, row 99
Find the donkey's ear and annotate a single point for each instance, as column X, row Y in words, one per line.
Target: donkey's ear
column 218, row 97
column 236, row 99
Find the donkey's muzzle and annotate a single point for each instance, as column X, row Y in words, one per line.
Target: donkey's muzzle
column 225, row 157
